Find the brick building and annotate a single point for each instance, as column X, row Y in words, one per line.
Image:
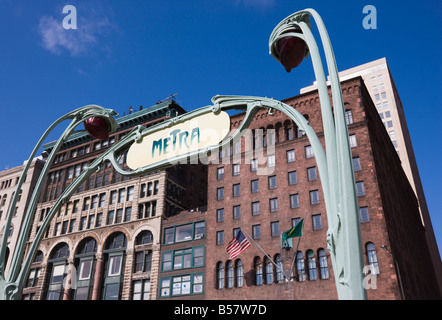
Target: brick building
column 107, row 237
column 393, row 237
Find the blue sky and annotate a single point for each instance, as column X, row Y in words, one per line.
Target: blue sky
column 139, row 51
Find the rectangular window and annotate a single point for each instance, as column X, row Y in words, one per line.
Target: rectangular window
column 219, row 237
column 183, row 233
column 275, row 228
column 255, row 186
column 290, row 156
column 102, row 200
column 314, row 197
column 256, row 231
column 236, row 190
column 348, row 117
column 353, row 142
column 220, row 173
column 293, row 179
column 220, row 215
column 253, row 164
column 119, row 216
column 356, row 164
column 220, row 193
column 110, row 217
column 114, row 266
column 272, row 182
column 236, row 169
column 294, row 201
column 130, row 193
column 311, row 174
column 94, row 202
column 271, row 161
column 317, row 222
column 274, row 205
column 360, row 190
column 255, row 208
column 236, row 212
column 364, row 214
column 86, row 204
column 113, row 197
column 121, row 195
column 309, row 152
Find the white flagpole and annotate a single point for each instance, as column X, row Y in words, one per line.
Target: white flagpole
column 282, row 270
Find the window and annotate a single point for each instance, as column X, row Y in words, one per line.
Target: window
column 130, row 194
column 353, row 141
column 110, row 217
column 290, row 156
column 271, row 161
column 236, row 212
column 356, row 164
column 255, row 186
column 102, row 200
column 220, row 215
column 274, row 226
column 294, row 201
column 181, row 285
column 258, row 271
column 255, row 208
column 183, row 233
column 323, row 265
column 272, row 182
column 279, row 269
column 119, row 216
column 363, row 211
column 220, row 275
column 274, row 205
column 317, row 222
column 311, row 263
column 220, row 193
column 94, row 202
column 256, row 231
column 309, row 152
column 121, row 195
column 300, row 266
column 372, row 258
column 293, row 179
column 115, row 265
column 360, row 190
column 348, row 117
column 220, row 173
column 236, row 169
column 311, row 174
column 183, row 259
column 236, row 190
column 230, row 276
column 113, row 197
column 389, row 124
column 253, row 164
column 239, row 273
column 219, row 237
column 314, row 197
column 86, row 204
column 268, row 270
column 141, row 290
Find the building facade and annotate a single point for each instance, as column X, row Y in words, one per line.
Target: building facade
column 384, row 93
column 264, row 206
column 104, row 244
column 8, row 184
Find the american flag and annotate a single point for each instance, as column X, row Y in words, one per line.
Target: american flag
column 237, row 245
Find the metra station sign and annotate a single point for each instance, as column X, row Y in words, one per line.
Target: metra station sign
column 179, row 139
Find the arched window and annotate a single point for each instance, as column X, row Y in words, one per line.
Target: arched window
column 323, row 265
column 114, row 252
column 239, row 273
column 372, row 258
column 58, row 266
column 258, row 271
column 230, row 276
column 220, row 275
column 311, row 262
column 300, row 266
column 85, row 260
column 269, row 270
column 145, row 237
column 279, row 271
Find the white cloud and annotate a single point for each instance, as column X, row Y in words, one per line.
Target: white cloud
column 77, row 42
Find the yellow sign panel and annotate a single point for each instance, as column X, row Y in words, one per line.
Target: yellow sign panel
column 179, row 139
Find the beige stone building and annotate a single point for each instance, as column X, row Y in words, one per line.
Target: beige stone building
column 9, row 179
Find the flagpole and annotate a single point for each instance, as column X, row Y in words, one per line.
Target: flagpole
column 282, row 270
column 297, row 246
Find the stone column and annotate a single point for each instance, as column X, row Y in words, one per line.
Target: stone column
column 98, row 277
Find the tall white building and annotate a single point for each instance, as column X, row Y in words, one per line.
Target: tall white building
column 379, row 82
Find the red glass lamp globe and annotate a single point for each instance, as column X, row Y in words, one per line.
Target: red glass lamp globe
column 97, row 127
column 291, row 51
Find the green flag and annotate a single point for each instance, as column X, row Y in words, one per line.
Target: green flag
column 296, row 231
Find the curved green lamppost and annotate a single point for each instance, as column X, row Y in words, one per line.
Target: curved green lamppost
column 290, row 42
